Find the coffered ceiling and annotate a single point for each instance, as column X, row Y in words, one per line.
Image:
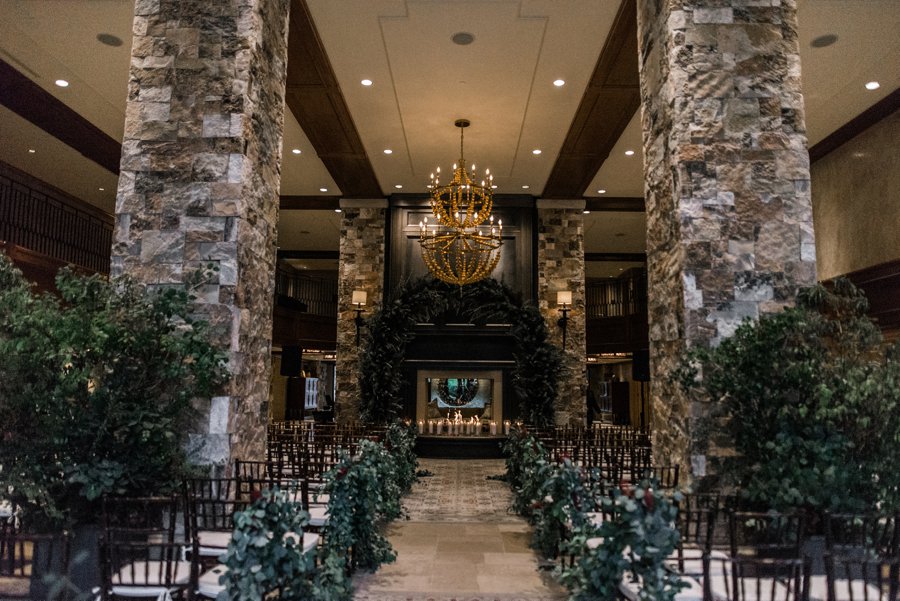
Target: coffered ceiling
column 421, row 82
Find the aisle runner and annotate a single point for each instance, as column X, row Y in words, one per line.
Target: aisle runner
column 459, row 491
column 461, row 542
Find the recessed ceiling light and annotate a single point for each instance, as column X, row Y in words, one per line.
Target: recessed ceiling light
column 323, row 189
column 494, row 187
column 102, row 189
column 388, row 151
column 109, row 39
column 873, row 85
column 824, row 40
column 559, row 83
column 525, row 187
column 628, row 153
column 601, row 191
column 337, row 210
column 536, row 151
column 62, row 83
column 398, row 186
column 366, row 82
column 586, row 212
column 462, row 38
column 296, row 150
column 304, row 231
column 31, row 151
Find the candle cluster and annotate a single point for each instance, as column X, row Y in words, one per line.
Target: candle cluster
column 456, row 425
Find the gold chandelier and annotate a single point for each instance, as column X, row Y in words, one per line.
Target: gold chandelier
column 463, row 245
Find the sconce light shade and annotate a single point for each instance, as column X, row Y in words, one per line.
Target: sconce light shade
column 359, row 297
column 564, row 298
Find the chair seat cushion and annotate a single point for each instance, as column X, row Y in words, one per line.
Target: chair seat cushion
column 844, row 590
column 208, row 585
column 318, row 516
column 213, row 542
column 310, row 540
column 152, row 574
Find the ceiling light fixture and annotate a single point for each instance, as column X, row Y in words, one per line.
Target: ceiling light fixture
column 525, row 187
column 388, row 151
column 366, row 82
column 102, row 189
column 323, row 189
column 462, row 38
column 337, row 210
column 31, row 151
column 464, row 245
column 62, row 83
column 586, row 212
column 109, row 39
column 536, row 151
column 559, row 83
column 296, row 151
column 398, row 186
column 601, row 191
column 873, row 85
column 824, row 40
column 629, row 153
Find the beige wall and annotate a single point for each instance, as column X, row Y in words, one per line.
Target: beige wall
column 856, row 201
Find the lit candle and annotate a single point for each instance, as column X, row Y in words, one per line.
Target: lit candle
column 477, row 426
column 431, row 426
column 421, row 426
column 493, row 428
column 506, row 426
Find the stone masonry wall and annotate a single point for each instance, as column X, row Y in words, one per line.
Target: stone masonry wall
column 199, row 182
column 729, row 222
column 361, row 268
column 560, row 257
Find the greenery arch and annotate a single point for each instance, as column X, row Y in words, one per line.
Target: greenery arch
column 538, row 361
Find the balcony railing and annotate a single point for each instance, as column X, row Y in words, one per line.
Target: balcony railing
column 618, row 297
column 317, row 295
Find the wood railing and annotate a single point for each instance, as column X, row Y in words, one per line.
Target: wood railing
column 42, row 219
column 316, row 295
column 618, row 297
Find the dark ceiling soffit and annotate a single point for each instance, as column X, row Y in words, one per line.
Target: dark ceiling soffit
column 609, row 102
column 616, row 257
column 30, row 101
column 883, row 108
column 620, row 204
column 309, row 203
column 308, row 254
column 316, row 101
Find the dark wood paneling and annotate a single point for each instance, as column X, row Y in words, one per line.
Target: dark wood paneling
column 294, row 328
column 883, row 108
column 39, row 217
column 881, row 284
column 609, row 102
column 616, row 204
column 627, row 257
column 24, row 97
column 316, row 101
column 309, row 254
column 309, row 203
column 37, row 267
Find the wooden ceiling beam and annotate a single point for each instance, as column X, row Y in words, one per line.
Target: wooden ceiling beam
column 38, row 106
column 309, row 203
column 616, row 257
column 609, row 102
column 620, row 204
column 314, row 97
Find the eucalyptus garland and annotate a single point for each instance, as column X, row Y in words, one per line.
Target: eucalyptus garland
column 390, row 330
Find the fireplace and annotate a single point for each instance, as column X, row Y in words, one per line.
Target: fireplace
column 469, row 393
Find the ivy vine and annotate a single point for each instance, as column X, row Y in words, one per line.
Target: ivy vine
column 390, row 330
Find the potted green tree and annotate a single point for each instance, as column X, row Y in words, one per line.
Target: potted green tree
column 96, row 391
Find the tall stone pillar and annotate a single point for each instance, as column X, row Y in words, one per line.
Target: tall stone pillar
column 199, row 181
column 363, row 227
column 560, row 260
column 729, row 219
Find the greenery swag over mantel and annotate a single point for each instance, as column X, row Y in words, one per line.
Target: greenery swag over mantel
column 390, row 330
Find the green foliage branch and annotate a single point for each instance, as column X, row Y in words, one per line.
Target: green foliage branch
column 638, row 535
column 564, row 496
column 810, row 398
column 95, row 391
column 400, row 442
column 390, row 330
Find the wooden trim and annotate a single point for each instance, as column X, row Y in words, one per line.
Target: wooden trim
column 620, row 204
column 30, row 101
column 309, row 203
column 885, row 107
column 610, row 100
column 616, row 257
column 7, row 170
column 308, row 254
column 881, row 283
column 314, row 97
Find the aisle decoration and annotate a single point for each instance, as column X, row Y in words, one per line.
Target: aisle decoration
column 390, row 330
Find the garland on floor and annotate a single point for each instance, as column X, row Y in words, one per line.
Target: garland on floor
column 390, row 330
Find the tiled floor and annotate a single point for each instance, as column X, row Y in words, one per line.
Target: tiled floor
column 460, row 544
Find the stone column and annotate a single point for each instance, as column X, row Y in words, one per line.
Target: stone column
column 199, row 181
column 560, row 260
column 363, row 228
column 729, row 220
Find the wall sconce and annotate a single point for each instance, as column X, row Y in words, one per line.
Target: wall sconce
column 359, row 299
column 564, row 302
